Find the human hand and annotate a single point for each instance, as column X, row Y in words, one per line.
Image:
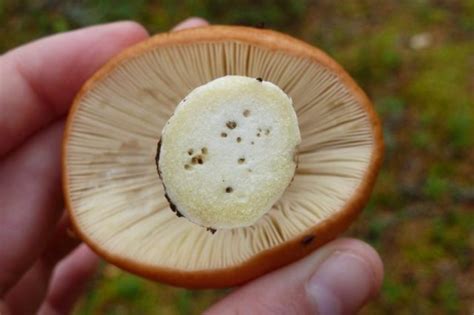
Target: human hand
column 41, row 268
column 38, row 82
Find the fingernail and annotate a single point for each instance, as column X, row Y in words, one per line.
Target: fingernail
column 341, row 284
column 190, row 23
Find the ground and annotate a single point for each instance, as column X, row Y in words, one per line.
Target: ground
column 415, row 60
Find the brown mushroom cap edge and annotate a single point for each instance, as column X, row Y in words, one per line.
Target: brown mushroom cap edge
column 279, row 255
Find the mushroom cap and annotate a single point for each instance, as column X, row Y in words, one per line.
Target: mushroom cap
column 115, row 198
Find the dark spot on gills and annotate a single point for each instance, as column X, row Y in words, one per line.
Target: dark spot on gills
column 307, row 239
column 212, row 230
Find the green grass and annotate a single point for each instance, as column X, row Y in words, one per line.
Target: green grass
column 420, row 214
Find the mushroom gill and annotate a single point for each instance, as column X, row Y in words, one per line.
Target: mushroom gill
column 117, row 202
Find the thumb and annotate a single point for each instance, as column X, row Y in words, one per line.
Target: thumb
column 190, row 23
column 339, row 278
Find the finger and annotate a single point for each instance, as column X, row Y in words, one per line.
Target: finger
column 4, row 310
column 337, row 279
column 26, row 296
column 31, row 203
column 44, row 76
column 190, row 23
column 69, row 281
column 61, row 244
column 30, row 176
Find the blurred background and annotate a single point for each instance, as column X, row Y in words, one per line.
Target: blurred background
column 415, row 59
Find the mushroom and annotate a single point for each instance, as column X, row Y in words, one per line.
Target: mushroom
column 225, row 103
column 213, row 187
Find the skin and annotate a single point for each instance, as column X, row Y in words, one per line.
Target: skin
column 43, row 269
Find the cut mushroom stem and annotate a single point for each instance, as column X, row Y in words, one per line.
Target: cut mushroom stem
column 218, row 191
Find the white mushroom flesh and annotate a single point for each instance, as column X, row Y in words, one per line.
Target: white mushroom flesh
column 228, row 152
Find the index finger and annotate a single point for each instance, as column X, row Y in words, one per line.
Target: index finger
column 39, row 80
